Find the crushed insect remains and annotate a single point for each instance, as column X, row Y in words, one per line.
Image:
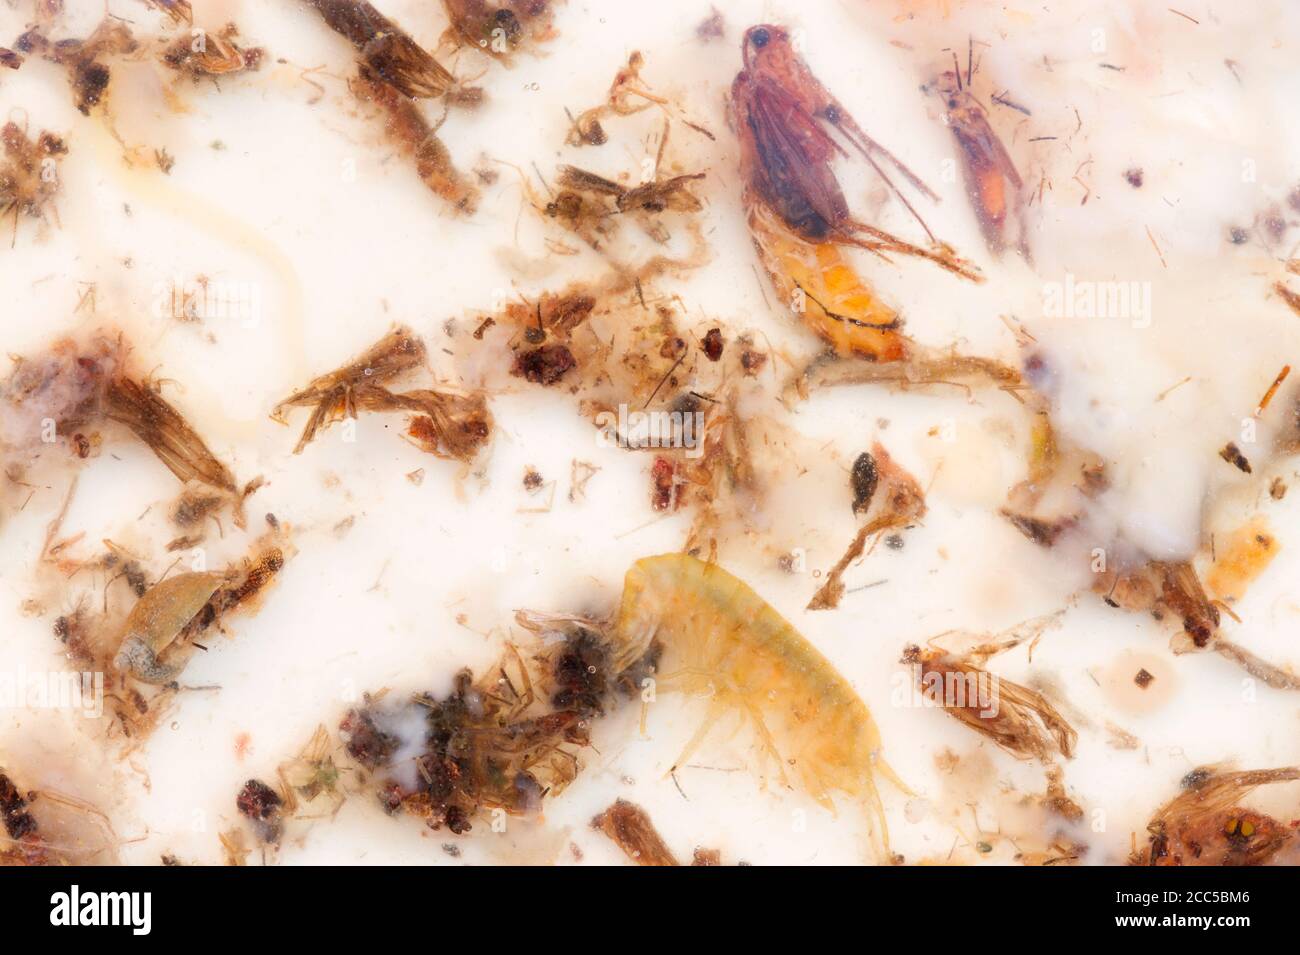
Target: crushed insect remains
column 1018, row 719
column 899, row 503
column 212, row 55
column 504, row 742
column 1206, row 825
column 443, row 423
column 630, row 828
column 500, row 28
column 75, row 386
column 388, row 53
column 29, row 175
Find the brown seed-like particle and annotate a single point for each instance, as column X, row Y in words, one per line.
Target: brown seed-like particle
column 1134, row 177
column 752, row 361
column 864, row 480
column 1277, row 489
column 260, row 803
column 1232, row 454
column 532, row 479
column 713, row 344
column 545, row 365
column 1143, row 678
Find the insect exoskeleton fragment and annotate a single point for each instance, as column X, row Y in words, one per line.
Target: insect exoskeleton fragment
column 149, row 650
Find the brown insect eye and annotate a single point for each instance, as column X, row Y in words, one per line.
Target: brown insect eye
column 760, row 38
column 832, row 114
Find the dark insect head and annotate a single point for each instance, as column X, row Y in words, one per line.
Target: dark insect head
column 762, row 38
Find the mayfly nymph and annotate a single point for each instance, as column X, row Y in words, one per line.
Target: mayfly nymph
column 723, row 641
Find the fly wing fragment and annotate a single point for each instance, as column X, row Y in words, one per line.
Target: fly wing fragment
column 169, row 436
column 1018, row 719
column 790, row 162
column 629, row 826
column 392, row 56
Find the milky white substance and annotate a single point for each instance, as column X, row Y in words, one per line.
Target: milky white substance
column 303, row 201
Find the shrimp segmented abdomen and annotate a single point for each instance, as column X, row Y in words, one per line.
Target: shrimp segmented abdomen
column 723, row 640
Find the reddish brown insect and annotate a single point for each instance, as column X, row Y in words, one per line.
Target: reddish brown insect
column 784, row 117
column 798, row 215
column 992, row 183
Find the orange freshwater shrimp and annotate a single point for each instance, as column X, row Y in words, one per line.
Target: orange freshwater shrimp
column 723, row 640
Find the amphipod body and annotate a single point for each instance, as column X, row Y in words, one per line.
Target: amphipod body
column 723, row 640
